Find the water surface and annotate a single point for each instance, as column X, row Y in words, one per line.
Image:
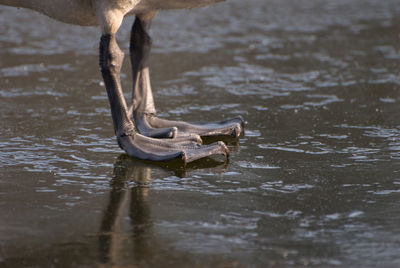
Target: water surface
column 315, row 181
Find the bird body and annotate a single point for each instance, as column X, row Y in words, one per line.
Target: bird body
column 84, row 12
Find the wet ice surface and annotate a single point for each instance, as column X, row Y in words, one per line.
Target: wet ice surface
column 315, row 181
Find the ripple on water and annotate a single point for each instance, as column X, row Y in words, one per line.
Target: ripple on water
column 388, row 140
column 239, row 221
column 251, row 165
column 281, row 187
column 326, row 99
column 342, row 216
column 247, row 79
column 253, row 133
column 185, row 184
column 332, row 136
column 322, row 101
column 379, row 150
column 201, row 184
column 18, row 92
column 26, row 69
column 378, row 132
column 64, row 161
column 280, row 148
column 387, row 192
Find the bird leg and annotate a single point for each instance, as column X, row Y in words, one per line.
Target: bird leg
column 143, row 107
column 135, row 144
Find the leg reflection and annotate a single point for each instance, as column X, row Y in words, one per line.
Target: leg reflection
column 110, row 235
column 111, row 238
column 143, row 242
column 141, row 247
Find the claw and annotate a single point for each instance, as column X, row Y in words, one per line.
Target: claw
column 236, row 131
column 217, row 148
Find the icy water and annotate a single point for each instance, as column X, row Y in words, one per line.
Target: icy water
column 315, row 181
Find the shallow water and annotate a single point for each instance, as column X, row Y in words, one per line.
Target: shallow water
column 315, row 181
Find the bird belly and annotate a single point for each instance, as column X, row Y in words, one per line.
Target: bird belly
column 172, row 4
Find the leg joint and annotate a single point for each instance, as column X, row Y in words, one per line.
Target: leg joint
column 140, row 40
column 111, row 56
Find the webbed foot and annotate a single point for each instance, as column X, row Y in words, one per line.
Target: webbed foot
column 142, row 147
column 188, row 148
column 142, row 105
column 153, row 126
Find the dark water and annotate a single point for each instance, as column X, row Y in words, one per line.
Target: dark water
column 314, row 182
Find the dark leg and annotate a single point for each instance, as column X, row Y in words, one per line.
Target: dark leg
column 142, row 96
column 143, row 108
column 133, row 143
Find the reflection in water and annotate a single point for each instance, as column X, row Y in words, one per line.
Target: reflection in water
column 110, row 238
column 127, row 170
